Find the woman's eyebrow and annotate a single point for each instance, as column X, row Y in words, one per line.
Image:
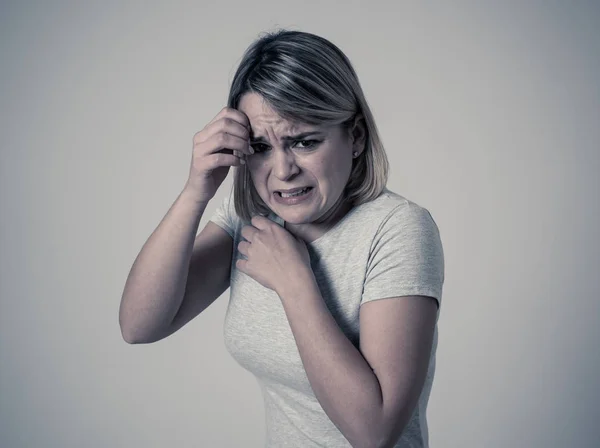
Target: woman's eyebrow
column 287, row 138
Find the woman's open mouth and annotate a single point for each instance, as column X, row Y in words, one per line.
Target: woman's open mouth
column 293, row 198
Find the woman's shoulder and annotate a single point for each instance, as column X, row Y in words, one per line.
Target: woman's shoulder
column 393, row 212
column 390, row 202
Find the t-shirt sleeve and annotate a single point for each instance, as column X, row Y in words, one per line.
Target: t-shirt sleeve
column 406, row 257
column 224, row 215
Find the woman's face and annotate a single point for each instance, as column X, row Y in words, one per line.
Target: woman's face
column 284, row 159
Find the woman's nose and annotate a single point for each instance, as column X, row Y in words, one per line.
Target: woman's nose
column 284, row 164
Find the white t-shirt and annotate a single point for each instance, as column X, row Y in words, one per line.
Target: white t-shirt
column 388, row 247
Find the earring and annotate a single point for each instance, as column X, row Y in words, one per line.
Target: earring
column 355, row 153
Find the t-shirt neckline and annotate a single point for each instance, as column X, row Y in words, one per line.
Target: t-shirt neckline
column 331, row 231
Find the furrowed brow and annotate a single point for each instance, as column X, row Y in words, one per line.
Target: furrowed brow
column 287, row 138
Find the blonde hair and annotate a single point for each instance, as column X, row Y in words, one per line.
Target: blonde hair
column 306, row 78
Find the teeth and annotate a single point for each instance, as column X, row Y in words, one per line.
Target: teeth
column 286, row 195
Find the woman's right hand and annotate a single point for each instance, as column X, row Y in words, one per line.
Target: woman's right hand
column 222, row 143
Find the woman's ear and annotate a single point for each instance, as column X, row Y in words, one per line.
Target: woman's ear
column 358, row 133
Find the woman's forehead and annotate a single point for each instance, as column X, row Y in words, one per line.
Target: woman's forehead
column 264, row 123
column 264, row 120
column 272, row 123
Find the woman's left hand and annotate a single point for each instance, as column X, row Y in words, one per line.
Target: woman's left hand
column 274, row 257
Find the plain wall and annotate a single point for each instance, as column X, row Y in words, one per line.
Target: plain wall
column 490, row 114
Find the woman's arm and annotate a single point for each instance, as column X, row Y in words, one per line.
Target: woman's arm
column 156, row 283
column 369, row 394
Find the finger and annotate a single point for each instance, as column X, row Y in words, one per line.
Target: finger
column 234, row 142
column 222, row 125
column 243, row 248
column 260, row 222
column 222, row 159
column 239, row 116
column 240, row 155
column 225, row 128
column 224, row 141
column 221, row 114
column 234, row 114
column 231, row 126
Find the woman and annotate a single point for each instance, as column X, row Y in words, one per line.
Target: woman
column 335, row 280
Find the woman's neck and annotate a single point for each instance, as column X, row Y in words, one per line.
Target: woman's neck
column 309, row 232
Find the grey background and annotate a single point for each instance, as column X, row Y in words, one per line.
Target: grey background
column 490, row 115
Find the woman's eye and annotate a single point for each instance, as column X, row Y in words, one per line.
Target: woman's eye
column 258, row 147
column 306, row 144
